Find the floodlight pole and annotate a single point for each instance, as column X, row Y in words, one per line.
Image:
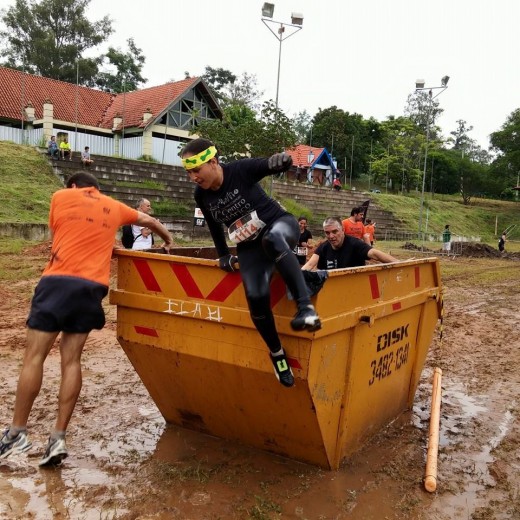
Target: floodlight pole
column 279, row 35
column 419, row 87
column 267, row 20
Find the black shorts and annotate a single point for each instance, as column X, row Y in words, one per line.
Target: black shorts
column 67, row 304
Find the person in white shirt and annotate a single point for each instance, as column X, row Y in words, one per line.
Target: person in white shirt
column 143, row 237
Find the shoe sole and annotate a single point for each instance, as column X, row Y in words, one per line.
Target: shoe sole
column 54, row 460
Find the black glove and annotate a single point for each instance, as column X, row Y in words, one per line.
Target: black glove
column 279, row 162
column 226, row 262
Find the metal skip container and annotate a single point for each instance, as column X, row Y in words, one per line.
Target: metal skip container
column 185, row 326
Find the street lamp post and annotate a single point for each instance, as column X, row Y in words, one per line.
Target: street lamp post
column 280, row 34
column 419, row 86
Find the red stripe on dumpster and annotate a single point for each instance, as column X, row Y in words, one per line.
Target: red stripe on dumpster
column 225, row 287
column 396, row 306
column 417, row 277
column 277, row 291
column 146, row 275
column 146, row 331
column 294, row 363
column 188, row 283
column 374, row 286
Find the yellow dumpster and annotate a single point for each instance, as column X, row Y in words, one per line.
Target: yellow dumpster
column 185, row 326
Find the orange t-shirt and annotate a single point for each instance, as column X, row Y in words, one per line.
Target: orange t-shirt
column 370, row 229
column 354, row 229
column 84, row 223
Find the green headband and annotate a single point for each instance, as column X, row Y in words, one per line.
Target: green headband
column 201, row 158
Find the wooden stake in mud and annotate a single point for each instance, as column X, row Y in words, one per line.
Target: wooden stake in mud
column 430, row 477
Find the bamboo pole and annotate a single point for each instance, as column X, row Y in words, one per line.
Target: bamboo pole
column 430, row 477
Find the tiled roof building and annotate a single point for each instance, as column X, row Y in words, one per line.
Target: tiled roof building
column 166, row 112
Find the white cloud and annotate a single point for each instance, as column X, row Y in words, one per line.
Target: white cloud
column 361, row 55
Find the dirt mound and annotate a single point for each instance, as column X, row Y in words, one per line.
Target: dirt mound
column 479, row 250
column 412, row 247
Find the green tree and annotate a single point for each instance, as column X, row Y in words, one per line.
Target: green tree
column 229, row 88
column 506, row 144
column 242, row 133
column 50, row 38
column 128, row 67
column 346, row 137
column 302, row 126
column 423, row 109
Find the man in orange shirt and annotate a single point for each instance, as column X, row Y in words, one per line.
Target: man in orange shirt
column 353, row 225
column 68, row 299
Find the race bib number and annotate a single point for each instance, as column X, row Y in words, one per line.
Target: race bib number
column 245, row 228
column 301, row 251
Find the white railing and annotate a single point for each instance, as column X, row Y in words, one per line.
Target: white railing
column 17, row 135
column 163, row 151
column 131, row 147
column 166, row 151
column 98, row 144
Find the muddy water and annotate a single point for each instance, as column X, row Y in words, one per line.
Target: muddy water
column 125, row 463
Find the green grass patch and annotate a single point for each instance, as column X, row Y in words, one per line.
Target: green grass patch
column 298, row 210
column 172, row 209
column 27, row 184
column 478, row 219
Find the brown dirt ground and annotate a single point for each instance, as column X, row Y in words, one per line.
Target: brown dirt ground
column 125, row 463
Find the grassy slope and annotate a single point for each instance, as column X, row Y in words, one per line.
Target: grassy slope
column 476, row 219
column 26, row 184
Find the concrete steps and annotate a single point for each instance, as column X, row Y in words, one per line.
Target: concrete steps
column 129, row 180
column 326, row 202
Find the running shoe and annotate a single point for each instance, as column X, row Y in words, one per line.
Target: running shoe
column 282, row 370
column 55, row 453
column 18, row 444
column 306, row 319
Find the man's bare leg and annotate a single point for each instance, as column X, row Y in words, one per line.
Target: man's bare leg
column 71, row 348
column 39, row 344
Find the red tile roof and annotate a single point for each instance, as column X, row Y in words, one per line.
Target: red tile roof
column 18, row 88
column 300, row 152
column 135, row 103
column 94, row 107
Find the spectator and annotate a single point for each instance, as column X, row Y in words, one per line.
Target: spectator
column 336, row 184
column 65, row 149
column 303, row 241
column 502, row 242
column 52, row 148
column 353, row 226
column 143, row 236
column 342, row 250
column 68, row 299
column 446, row 239
column 370, row 228
column 86, row 161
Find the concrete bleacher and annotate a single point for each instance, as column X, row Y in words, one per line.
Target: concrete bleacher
column 129, row 180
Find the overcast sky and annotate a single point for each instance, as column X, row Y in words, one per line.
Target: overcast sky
column 361, row 55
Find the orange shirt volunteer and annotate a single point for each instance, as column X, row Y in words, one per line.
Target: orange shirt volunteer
column 370, row 230
column 354, row 229
column 84, row 223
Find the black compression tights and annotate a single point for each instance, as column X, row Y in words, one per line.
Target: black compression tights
column 258, row 260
